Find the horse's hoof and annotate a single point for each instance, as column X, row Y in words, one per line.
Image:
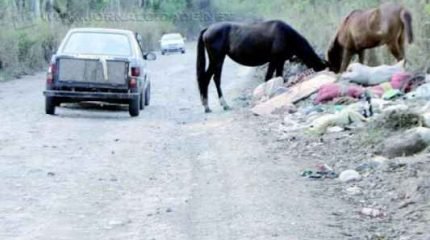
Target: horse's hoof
column 208, row 110
column 227, row 108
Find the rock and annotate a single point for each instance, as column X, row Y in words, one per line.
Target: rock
column 268, row 89
column 117, row 223
column 354, row 191
column 379, row 160
column 426, row 119
column 370, row 212
column 398, row 117
column 335, row 129
column 290, row 125
column 424, row 133
column 366, row 167
column 349, row 176
column 292, row 109
column 19, row 209
column 406, row 144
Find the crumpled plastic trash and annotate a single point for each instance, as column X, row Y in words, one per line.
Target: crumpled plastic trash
column 322, row 171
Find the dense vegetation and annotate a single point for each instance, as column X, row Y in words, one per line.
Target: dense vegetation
column 31, row 29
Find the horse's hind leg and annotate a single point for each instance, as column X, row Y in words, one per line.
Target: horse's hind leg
column 401, row 46
column 207, row 79
column 217, row 79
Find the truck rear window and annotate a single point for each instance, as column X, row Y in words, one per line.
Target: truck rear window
column 98, row 44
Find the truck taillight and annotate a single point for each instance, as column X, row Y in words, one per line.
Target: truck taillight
column 51, row 73
column 133, row 83
column 135, row 71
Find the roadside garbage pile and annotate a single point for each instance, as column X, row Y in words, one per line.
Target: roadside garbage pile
column 363, row 96
column 365, row 132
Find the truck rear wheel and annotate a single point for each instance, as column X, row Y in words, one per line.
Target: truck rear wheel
column 134, row 107
column 50, row 104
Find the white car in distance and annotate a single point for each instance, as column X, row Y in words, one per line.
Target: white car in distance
column 172, row 42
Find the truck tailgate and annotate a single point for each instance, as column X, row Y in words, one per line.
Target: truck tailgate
column 93, row 71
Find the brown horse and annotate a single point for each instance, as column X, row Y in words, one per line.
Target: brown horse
column 390, row 24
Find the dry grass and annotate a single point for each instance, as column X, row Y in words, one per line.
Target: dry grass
column 318, row 21
column 29, row 49
column 26, row 49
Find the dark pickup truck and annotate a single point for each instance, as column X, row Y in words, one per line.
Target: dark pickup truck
column 103, row 65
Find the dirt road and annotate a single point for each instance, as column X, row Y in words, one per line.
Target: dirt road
column 173, row 173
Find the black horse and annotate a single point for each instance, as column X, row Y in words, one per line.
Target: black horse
column 271, row 42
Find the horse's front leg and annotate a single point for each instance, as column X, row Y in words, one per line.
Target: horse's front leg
column 361, row 56
column 280, row 69
column 397, row 50
column 270, row 71
column 346, row 59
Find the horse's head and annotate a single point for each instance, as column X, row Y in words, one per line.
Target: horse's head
column 314, row 60
column 334, row 56
column 325, row 64
column 320, row 65
column 307, row 54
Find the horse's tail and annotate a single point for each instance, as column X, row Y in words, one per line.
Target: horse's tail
column 201, row 62
column 406, row 17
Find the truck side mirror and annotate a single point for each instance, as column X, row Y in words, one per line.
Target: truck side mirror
column 150, row 56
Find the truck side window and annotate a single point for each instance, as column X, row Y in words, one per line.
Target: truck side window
column 140, row 42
